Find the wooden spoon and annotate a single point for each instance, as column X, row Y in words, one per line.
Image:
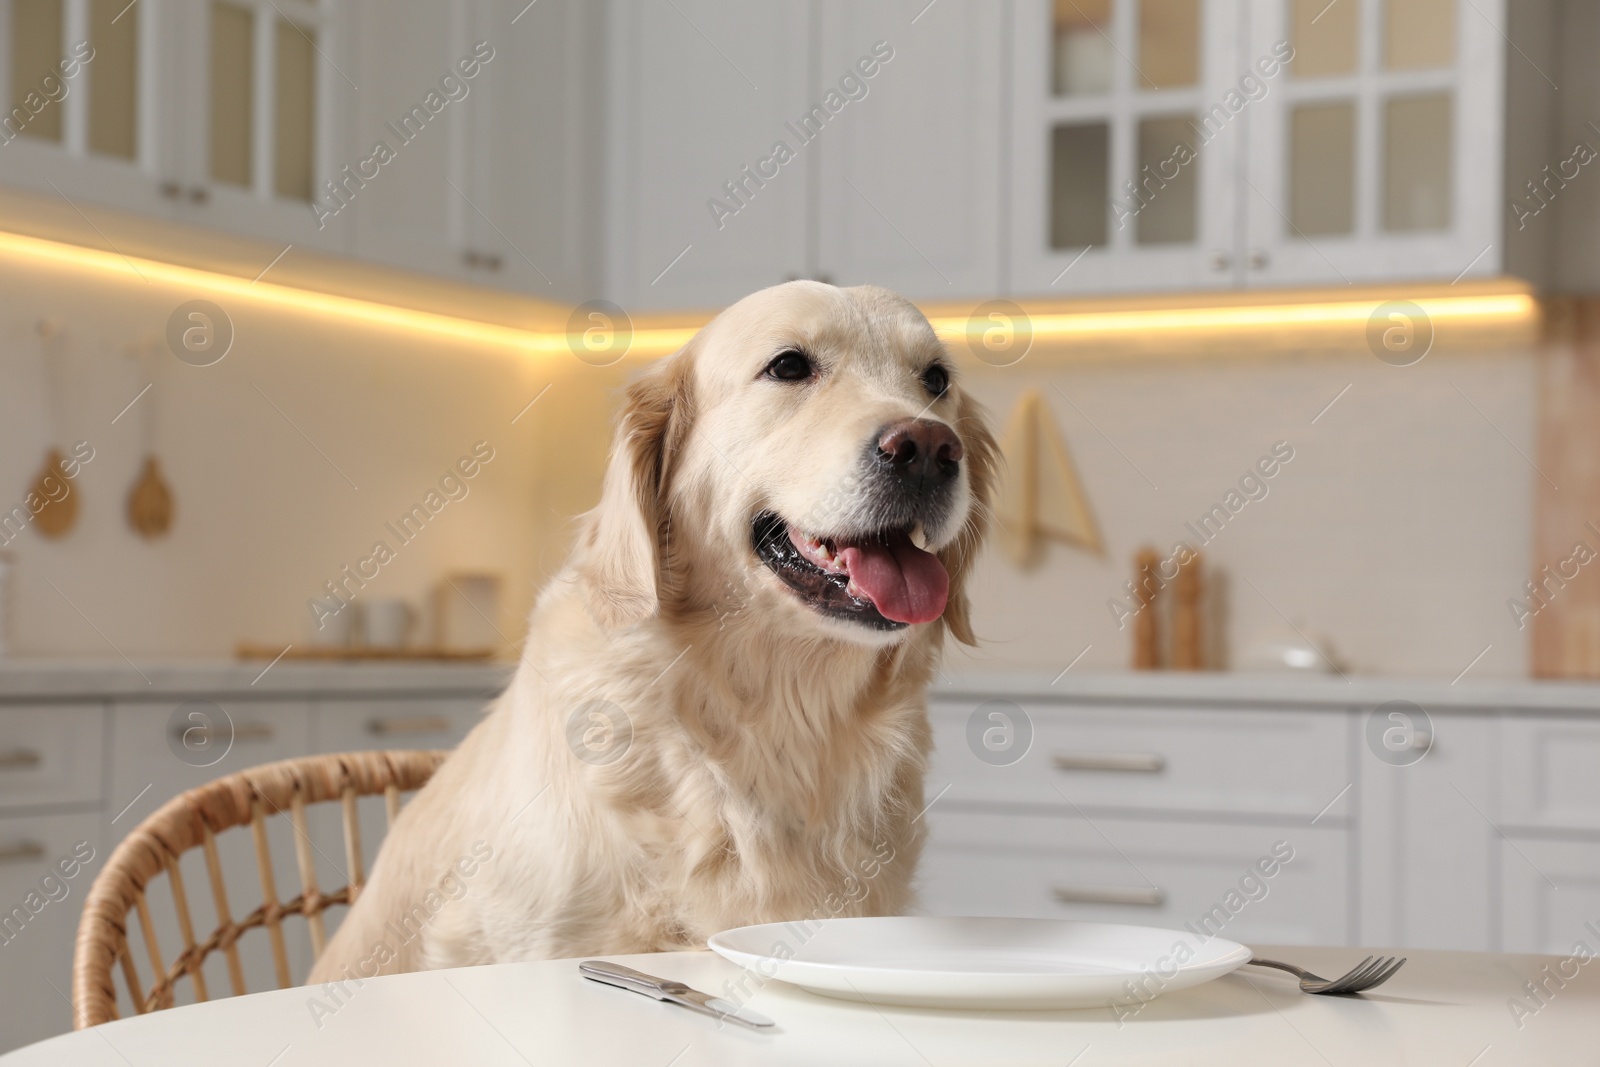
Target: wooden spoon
column 58, row 514
column 150, row 502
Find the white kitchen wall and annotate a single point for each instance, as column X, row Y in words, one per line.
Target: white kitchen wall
column 286, row 458
column 1398, row 531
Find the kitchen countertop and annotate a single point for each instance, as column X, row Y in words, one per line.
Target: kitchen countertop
column 1236, row 689
column 36, row 680
column 42, row 679
column 1447, row 1008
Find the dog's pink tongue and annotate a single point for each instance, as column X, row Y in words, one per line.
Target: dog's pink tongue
column 904, row 583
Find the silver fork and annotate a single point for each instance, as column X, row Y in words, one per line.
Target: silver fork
column 1368, row 974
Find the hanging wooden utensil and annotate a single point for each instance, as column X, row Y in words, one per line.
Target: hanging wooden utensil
column 52, row 486
column 150, row 502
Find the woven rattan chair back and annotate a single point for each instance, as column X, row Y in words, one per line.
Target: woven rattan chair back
column 193, row 820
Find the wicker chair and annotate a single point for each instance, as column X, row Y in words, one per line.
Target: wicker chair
column 192, row 820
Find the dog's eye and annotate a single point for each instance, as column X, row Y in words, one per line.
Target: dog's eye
column 935, row 379
column 790, row 366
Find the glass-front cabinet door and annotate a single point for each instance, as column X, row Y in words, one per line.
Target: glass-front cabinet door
column 1125, row 166
column 1379, row 155
column 258, row 146
column 218, row 112
column 80, row 103
column 1194, row 144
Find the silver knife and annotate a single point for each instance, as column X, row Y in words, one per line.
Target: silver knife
column 672, row 992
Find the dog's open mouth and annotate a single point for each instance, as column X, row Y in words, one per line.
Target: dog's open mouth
column 883, row 580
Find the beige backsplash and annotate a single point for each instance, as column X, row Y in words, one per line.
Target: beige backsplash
column 1398, row 530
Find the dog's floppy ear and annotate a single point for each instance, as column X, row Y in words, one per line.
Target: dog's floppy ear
column 619, row 558
column 959, row 558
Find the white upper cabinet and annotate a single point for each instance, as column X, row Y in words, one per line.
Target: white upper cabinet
column 1120, row 182
column 710, row 148
column 403, row 199
column 1190, row 144
column 902, row 202
column 682, row 153
column 1378, row 155
column 261, row 127
column 456, row 138
column 217, row 112
column 533, row 224
column 472, row 150
column 847, row 140
column 81, row 103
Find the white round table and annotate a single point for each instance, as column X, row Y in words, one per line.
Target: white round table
column 1442, row 1008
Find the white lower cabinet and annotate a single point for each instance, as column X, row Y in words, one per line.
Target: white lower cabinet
column 1273, row 884
column 161, row 749
column 1273, row 761
column 1548, row 851
column 50, row 754
column 82, row 765
column 47, row 863
column 1550, row 895
column 1284, row 816
column 51, row 848
column 1550, row 779
column 1159, row 814
column 151, row 749
column 359, row 725
column 1473, row 826
column 1427, row 828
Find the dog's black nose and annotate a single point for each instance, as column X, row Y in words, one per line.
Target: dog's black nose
column 923, row 453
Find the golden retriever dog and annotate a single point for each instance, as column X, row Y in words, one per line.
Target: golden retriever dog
column 720, row 717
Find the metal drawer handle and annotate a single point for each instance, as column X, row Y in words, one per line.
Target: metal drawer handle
column 420, row 724
column 1141, row 896
column 17, row 759
column 245, row 731
column 1141, row 762
column 22, row 850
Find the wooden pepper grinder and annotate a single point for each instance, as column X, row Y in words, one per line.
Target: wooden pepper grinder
column 1187, row 639
column 1145, row 645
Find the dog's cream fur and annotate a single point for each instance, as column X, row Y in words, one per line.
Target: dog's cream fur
column 776, row 757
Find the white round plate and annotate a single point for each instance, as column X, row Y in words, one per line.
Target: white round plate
column 936, row 962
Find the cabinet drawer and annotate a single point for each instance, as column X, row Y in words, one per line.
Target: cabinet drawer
column 356, row 725
column 50, row 754
column 148, row 749
column 1549, row 777
column 1142, row 872
column 1276, row 762
column 39, row 908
